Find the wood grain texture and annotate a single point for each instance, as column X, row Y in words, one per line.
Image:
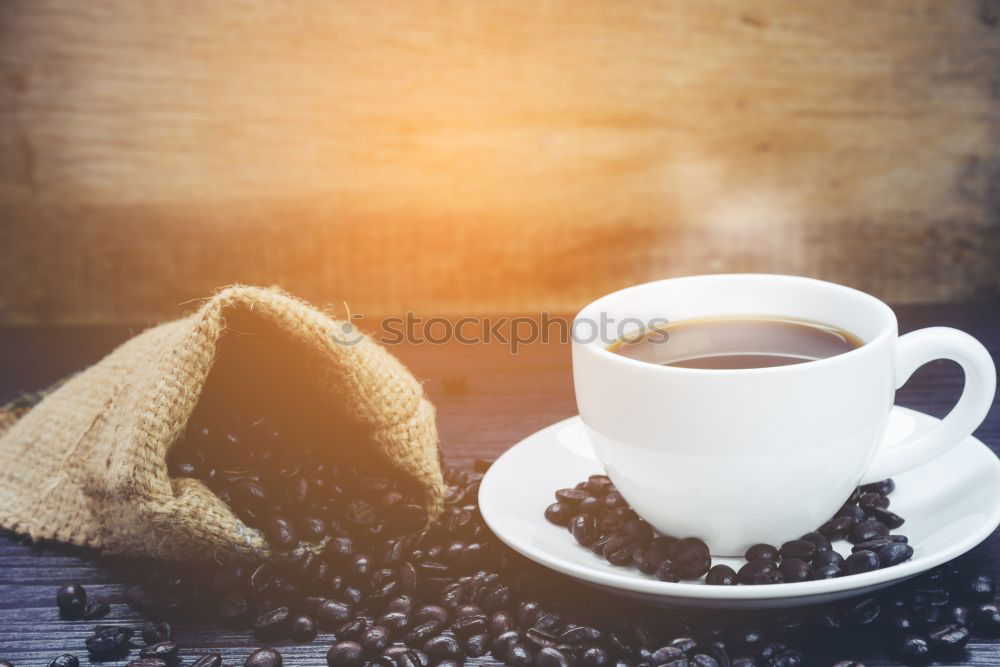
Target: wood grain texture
column 487, row 400
column 454, row 156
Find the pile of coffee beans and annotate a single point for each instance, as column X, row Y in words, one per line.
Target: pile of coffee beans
column 599, row 518
column 272, row 478
column 446, row 592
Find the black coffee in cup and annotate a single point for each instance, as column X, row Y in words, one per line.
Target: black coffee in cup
column 734, row 342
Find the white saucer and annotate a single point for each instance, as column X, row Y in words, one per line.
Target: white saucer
column 950, row 505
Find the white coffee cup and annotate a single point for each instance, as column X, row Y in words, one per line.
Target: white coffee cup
column 737, row 457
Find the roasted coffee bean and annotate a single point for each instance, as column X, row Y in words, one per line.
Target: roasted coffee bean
column 890, row 519
column 264, row 657
column 884, row 487
column 272, row 624
column 96, row 609
column 794, row 569
column 279, row 532
column 639, row 530
column 580, row 634
column 948, row 638
column 208, row 660
column 396, row 621
column 374, row 639
column 518, row 656
column 431, row 612
column 471, row 624
column 912, row 648
column 583, row 527
column 154, row 633
column 571, row 497
column 721, row 575
column 351, row 595
column 72, row 600
column 539, row 638
column 986, row 619
column 831, row 571
column 871, row 545
column 861, row 561
column 551, row 657
column 65, row 660
column 598, row 485
column 836, row 528
column 560, row 513
column 871, row 500
column 802, row 549
column 869, row 529
column 753, row 568
column 109, row 640
column 165, row 651
column 619, row 549
column 614, row 500
column 819, row 539
column 345, row 654
column 668, row 655
column 827, row 558
column 772, row 576
column 420, row 633
column 476, row 646
column 591, row 505
column 548, row 621
column 690, row 558
column 853, row 512
column 667, row 571
column 759, row 551
column 352, row 629
column 595, row 656
column 147, row 662
column 894, row 554
column 302, row 628
column 934, row 596
column 311, row 528
column 660, row 546
column 645, row 561
column 442, row 647
column 497, row 597
column 863, row 612
column 499, row 623
column 332, row 613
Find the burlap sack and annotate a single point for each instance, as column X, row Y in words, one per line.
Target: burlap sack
column 88, row 466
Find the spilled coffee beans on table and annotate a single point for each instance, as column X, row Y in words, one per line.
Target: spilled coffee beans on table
column 599, row 518
column 378, row 591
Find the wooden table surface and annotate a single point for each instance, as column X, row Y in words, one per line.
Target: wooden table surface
column 487, row 400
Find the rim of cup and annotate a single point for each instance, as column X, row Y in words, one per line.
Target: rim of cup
column 887, row 328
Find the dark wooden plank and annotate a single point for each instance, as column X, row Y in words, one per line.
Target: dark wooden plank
column 487, row 400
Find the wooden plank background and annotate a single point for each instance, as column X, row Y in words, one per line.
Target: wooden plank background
column 460, row 156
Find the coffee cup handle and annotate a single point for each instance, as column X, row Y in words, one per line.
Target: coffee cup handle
column 913, row 351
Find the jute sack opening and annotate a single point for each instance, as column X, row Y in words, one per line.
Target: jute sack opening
column 88, row 464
